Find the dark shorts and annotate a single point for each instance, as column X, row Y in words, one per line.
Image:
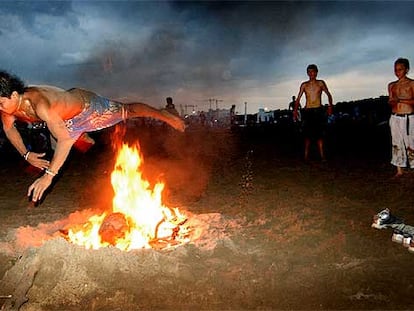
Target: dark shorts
column 314, row 122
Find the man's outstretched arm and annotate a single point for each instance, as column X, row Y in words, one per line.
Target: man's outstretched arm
column 64, row 143
column 13, row 135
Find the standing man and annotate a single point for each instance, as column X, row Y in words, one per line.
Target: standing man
column 401, row 100
column 68, row 115
column 292, row 103
column 313, row 115
column 170, row 107
column 297, row 118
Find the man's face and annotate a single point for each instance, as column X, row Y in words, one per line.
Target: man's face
column 312, row 73
column 400, row 71
column 8, row 105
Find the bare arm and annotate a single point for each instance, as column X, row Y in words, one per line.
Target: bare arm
column 12, row 133
column 63, row 145
column 325, row 89
column 16, row 140
column 407, row 101
column 297, row 101
column 59, row 131
column 392, row 99
column 330, row 99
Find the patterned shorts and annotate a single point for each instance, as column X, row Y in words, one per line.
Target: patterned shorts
column 99, row 113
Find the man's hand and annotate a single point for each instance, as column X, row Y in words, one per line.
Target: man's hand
column 330, row 110
column 36, row 159
column 39, row 186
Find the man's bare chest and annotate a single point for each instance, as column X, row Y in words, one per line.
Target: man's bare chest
column 403, row 90
column 313, row 88
column 25, row 112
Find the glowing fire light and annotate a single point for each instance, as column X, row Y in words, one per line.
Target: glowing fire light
column 138, row 218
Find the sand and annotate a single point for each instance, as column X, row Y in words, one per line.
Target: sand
column 273, row 232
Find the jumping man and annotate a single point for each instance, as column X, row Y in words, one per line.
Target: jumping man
column 68, row 114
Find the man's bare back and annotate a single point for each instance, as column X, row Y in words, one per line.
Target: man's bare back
column 65, row 104
column 68, row 115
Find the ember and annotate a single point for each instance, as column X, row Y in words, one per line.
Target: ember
column 138, row 218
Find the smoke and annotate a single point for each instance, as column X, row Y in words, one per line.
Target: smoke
column 133, row 50
column 196, row 48
column 184, row 162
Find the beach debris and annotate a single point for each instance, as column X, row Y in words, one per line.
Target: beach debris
column 402, row 233
column 6, row 296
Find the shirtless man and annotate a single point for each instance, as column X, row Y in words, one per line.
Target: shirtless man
column 401, row 100
column 170, row 107
column 313, row 115
column 68, row 114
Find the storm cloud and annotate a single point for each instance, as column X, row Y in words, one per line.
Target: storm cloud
column 254, row 52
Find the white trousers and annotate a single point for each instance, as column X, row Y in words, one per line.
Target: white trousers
column 402, row 140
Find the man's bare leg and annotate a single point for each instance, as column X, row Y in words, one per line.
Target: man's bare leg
column 307, row 145
column 399, row 171
column 53, row 142
column 135, row 110
column 84, row 142
column 321, row 151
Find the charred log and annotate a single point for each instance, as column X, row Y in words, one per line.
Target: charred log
column 114, row 227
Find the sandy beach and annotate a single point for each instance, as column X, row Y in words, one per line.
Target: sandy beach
column 276, row 233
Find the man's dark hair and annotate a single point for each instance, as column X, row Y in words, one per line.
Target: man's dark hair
column 312, row 67
column 10, row 83
column 404, row 62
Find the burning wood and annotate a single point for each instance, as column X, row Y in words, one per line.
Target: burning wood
column 138, row 218
column 176, row 237
column 113, row 228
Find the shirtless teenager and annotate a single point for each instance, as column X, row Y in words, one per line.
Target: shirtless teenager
column 313, row 115
column 401, row 100
column 68, row 114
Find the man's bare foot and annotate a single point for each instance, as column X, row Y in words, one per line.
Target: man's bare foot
column 398, row 174
column 173, row 120
column 86, row 138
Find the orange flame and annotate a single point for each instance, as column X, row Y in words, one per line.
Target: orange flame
column 138, row 219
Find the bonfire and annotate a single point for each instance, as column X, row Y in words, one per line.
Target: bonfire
column 138, row 218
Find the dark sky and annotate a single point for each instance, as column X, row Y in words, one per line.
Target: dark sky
column 235, row 51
